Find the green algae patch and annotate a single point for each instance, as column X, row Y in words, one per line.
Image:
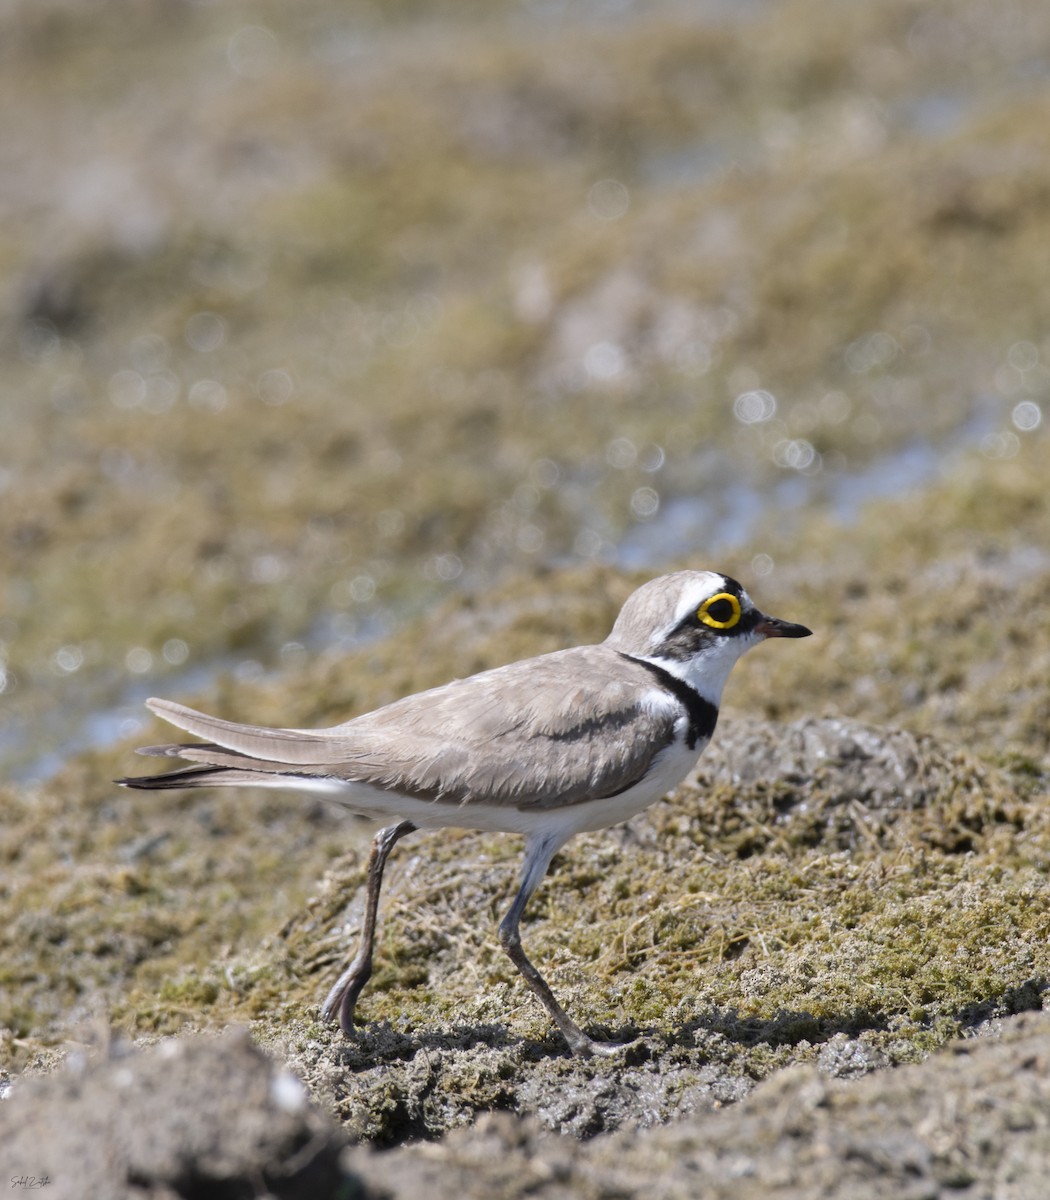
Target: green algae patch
column 121, row 912
column 707, row 961
column 666, row 926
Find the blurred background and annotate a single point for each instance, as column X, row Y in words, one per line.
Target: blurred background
column 313, row 316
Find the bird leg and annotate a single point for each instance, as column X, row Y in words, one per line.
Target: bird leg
column 343, row 996
column 538, row 854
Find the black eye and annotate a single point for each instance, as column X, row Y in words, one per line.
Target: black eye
column 721, row 611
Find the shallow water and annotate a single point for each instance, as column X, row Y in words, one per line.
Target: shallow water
column 686, row 525
column 683, row 527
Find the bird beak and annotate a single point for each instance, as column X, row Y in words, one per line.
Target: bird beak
column 774, row 627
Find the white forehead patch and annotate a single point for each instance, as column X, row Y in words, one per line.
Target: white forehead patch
column 695, row 592
column 703, row 585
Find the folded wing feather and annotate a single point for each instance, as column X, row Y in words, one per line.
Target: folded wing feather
column 531, row 735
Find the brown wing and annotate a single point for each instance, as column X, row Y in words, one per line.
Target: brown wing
column 545, row 733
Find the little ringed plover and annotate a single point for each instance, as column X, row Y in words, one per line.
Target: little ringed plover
column 576, row 740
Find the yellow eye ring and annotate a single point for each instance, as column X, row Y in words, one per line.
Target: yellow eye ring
column 706, row 617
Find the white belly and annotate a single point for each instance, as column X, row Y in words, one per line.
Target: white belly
column 670, row 767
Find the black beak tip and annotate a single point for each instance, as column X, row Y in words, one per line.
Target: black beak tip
column 774, row 627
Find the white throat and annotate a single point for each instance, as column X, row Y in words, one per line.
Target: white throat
column 707, row 671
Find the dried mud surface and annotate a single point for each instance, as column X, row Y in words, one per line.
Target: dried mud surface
column 971, row 1121
column 190, row 1117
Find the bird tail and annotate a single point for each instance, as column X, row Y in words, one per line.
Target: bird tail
column 233, row 754
column 201, row 776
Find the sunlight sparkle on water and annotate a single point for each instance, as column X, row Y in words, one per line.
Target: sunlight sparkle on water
column 1000, row 445
column 872, row 351
column 608, row 200
column 530, row 539
column 268, row 568
column 754, row 407
column 39, row 341
column 796, row 454
column 1027, row 416
column 645, row 502
column 652, row 458
column 443, row 567
column 127, row 389
column 621, row 453
column 275, row 387
column 545, row 473
column 604, row 361
column 162, row 390
column 149, row 352
column 207, row 395
column 175, row 651
column 1023, row 356
column 362, row 588
column 588, row 544
column 205, row 332
column 138, row 660
column 68, row 659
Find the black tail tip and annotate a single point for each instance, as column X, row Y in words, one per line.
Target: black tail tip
column 147, row 783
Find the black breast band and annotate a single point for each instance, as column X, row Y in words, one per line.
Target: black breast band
column 702, row 714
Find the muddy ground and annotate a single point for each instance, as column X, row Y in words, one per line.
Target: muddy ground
column 320, row 388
